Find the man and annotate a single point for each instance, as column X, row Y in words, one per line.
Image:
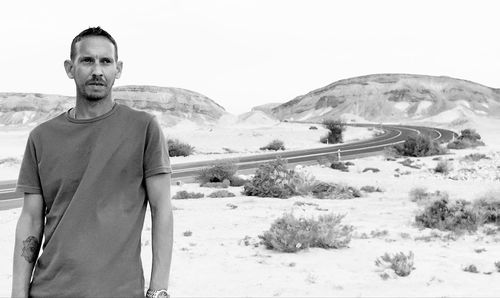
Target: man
column 87, row 176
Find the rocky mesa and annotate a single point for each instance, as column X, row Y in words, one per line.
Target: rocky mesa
column 170, row 105
column 394, row 98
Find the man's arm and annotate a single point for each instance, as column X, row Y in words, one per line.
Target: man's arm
column 158, row 188
column 27, row 244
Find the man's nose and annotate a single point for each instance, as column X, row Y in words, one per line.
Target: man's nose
column 97, row 70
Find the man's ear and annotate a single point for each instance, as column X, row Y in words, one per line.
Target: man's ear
column 119, row 67
column 68, row 66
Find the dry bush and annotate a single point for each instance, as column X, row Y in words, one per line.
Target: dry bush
column 373, row 170
column 220, row 170
column 290, row 234
column 237, row 181
column 401, row 264
column 335, row 130
column 419, row 146
column 488, row 208
column 302, row 183
column 338, row 165
column 497, row 266
column 182, row 195
column 369, row 189
column 221, row 194
column 178, row 148
column 443, row 167
column 418, row 194
column 223, row 184
column 272, row 179
column 468, row 138
column 313, row 127
column 458, row 216
column 471, row 268
column 274, row 145
column 475, row 157
column 324, row 190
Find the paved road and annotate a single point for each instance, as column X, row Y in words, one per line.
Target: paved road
column 393, row 134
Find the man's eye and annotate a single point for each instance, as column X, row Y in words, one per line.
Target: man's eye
column 106, row 61
column 86, row 60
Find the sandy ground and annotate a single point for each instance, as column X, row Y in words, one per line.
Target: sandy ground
column 215, row 261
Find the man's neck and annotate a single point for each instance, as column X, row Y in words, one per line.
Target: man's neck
column 86, row 109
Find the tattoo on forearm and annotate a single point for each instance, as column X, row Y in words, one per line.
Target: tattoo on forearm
column 30, row 249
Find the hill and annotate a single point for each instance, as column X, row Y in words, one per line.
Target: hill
column 394, row 98
column 170, row 105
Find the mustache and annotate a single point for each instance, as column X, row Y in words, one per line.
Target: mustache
column 96, row 81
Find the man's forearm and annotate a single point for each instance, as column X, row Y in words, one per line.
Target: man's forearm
column 162, row 242
column 28, row 241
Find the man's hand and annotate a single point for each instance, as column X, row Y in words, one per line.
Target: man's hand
column 28, row 241
column 158, row 189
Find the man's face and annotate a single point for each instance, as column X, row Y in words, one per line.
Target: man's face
column 94, row 67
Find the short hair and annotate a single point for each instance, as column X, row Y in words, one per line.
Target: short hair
column 92, row 31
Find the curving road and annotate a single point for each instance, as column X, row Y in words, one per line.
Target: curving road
column 393, row 134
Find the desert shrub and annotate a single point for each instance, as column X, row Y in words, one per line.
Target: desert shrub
column 349, row 163
column 475, row 157
column 401, row 264
column 488, row 208
column 272, row 179
column 338, row 165
column 224, row 184
column 237, row 181
column 182, row 195
column 178, row 148
column 497, row 266
column 335, row 130
column 324, row 190
column 418, row 194
column 221, row 194
column 443, row 167
column 313, row 127
column 471, row 268
column 290, row 234
column 219, row 171
column 302, row 183
column 468, row 138
column 187, row 233
column 275, row 145
column 374, row 170
column 409, row 163
column 369, row 188
column 418, row 146
column 443, row 215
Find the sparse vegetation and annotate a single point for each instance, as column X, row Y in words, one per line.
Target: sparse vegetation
column 457, row 216
column 178, row 148
column 313, row 128
column 418, row 146
column 237, row 181
column 443, row 167
column 475, row 157
column 221, row 194
column 335, row 131
column 488, row 208
column 324, row 190
column 223, row 184
column 183, row 195
column 401, row 264
column 369, row 189
column 302, row 183
column 274, row 145
column 471, row 268
column 468, row 138
column 497, row 266
column 272, row 179
column 218, row 172
column 187, row 234
column 338, row 165
column 291, row 234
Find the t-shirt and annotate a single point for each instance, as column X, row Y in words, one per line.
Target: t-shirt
column 91, row 173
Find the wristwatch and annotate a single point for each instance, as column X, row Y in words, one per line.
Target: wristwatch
column 157, row 294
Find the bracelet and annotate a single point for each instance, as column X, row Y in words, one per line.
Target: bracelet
column 157, row 293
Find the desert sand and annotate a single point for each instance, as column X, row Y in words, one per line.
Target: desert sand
column 222, row 257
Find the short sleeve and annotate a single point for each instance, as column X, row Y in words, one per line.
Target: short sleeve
column 29, row 179
column 156, row 158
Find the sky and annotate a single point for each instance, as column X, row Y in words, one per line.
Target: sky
column 246, row 53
